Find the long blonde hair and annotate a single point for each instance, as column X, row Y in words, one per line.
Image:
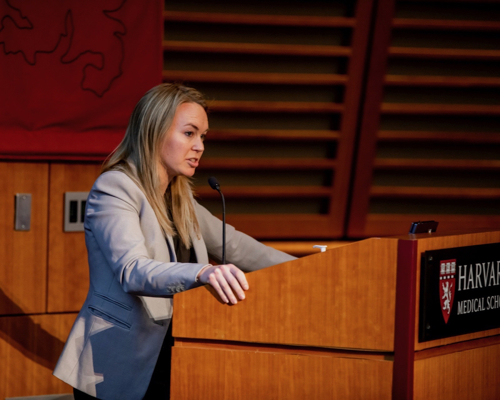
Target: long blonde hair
column 148, row 125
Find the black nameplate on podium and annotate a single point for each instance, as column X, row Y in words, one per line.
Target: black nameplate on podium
column 459, row 291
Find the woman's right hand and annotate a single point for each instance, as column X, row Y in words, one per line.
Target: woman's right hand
column 227, row 280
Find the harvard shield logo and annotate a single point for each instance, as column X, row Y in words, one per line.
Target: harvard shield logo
column 447, row 286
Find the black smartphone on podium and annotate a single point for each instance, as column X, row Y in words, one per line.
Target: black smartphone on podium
column 423, row 227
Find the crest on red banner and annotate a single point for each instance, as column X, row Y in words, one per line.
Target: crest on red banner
column 71, row 72
column 447, row 270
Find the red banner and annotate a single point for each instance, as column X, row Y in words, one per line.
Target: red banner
column 71, row 72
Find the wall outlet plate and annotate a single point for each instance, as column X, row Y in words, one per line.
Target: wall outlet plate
column 74, row 211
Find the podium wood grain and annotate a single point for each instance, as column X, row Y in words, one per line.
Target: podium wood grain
column 219, row 374
column 318, row 327
column 331, row 325
column 342, row 298
column 451, row 368
column 469, row 374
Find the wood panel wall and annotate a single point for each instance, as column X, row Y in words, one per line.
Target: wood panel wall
column 29, row 349
column 284, row 81
column 68, row 275
column 23, row 253
column 31, row 338
column 430, row 128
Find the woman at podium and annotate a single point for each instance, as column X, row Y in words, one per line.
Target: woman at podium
column 147, row 239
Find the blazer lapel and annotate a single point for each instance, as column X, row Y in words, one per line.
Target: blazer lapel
column 171, row 248
column 158, row 308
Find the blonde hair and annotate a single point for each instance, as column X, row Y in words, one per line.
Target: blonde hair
column 148, row 125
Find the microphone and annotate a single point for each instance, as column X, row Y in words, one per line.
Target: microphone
column 212, row 181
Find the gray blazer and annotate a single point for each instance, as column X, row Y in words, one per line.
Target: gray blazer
column 113, row 346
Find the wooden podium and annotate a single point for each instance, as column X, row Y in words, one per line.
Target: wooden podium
column 342, row 324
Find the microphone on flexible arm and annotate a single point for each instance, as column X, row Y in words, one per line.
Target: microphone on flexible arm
column 212, row 181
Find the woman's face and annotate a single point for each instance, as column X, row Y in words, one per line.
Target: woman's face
column 183, row 144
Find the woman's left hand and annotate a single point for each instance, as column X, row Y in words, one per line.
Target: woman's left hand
column 227, row 280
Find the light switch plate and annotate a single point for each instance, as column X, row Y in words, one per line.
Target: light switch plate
column 22, row 219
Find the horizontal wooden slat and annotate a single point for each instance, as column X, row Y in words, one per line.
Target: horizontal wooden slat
column 411, row 192
column 286, row 226
column 462, row 25
column 437, row 109
column 275, row 106
column 258, row 48
column 267, row 191
column 438, row 136
column 271, row 134
column 259, row 19
column 458, row 81
column 421, row 52
column 257, row 78
column 398, row 163
column 267, row 163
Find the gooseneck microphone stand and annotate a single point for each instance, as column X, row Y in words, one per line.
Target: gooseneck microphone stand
column 215, row 186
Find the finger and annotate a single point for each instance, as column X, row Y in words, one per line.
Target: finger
column 233, row 282
column 212, row 281
column 221, row 274
column 242, row 279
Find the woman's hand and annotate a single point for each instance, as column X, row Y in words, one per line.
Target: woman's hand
column 227, row 280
